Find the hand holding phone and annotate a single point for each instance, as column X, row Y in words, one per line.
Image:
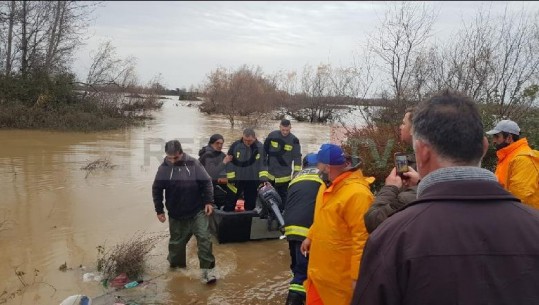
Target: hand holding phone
column 401, row 163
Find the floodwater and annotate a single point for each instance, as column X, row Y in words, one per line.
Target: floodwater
column 53, row 213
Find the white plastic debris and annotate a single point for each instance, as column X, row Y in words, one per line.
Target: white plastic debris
column 77, row 299
column 89, row 277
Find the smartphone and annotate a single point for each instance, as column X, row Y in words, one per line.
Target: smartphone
column 401, row 163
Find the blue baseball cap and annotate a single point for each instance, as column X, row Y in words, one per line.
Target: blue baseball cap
column 310, row 160
column 331, row 154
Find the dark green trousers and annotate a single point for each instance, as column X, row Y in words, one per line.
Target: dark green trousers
column 181, row 232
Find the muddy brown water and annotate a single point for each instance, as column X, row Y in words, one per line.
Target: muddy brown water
column 52, row 212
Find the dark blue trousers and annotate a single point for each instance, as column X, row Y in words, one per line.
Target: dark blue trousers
column 298, row 267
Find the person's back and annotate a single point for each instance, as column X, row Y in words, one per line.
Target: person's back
column 474, row 259
column 298, row 217
column 337, row 236
column 465, row 240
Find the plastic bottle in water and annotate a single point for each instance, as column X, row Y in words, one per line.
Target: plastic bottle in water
column 132, row 284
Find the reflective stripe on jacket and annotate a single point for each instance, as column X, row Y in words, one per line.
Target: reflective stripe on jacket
column 518, row 171
column 338, row 236
column 248, row 162
column 299, row 208
column 281, row 152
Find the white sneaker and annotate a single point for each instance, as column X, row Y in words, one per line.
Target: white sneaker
column 208, row 276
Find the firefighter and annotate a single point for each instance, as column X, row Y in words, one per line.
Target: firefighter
column 283, row 149
column 298, row 216
column 246, row 170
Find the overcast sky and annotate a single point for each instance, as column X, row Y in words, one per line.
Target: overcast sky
column 184, row 41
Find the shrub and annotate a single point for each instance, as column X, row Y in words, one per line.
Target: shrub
column 375, row 145
column 127, row 257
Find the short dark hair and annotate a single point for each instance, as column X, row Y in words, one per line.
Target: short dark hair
column 285, row 122
column 515, row 137
column 451, row 123
column 172, row 147
column 249, row 132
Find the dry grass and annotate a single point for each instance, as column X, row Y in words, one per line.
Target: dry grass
column 127, row 257
column 101, row 163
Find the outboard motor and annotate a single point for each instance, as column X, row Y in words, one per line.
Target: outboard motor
column 271, row 201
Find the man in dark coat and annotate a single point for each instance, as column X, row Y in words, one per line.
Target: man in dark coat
column 397, row 191
column 246, row 171
column 465, row 240
column 189, row 200
column 214, row 162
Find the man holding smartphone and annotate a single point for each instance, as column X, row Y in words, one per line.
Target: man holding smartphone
column 400, row 185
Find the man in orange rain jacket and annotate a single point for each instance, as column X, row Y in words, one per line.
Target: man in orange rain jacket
column 518, row 164
column 337, row 236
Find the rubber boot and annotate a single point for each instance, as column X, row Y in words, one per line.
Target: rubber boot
column 295, row 299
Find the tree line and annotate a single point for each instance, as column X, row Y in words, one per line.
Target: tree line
column 491, row 58
column 38, row 88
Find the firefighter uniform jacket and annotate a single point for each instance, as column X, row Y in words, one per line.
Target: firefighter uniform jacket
column 248, row 162
column 281, row 151
column 299, row 209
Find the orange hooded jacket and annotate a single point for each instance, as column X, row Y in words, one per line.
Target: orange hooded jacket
column 518, row 171
column 338, row 235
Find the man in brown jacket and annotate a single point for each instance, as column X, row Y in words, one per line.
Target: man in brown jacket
column 465, row 240
column 397, row 191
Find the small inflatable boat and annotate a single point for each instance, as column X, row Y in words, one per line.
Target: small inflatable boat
column 264, row 222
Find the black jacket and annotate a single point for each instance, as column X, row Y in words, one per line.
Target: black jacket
column 212, row 161
column 300, row 202
column 478, row 245
column 281, row 152
column 248, row 162
column 187, row 188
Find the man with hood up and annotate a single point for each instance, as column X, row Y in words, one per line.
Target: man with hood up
column 189, row 200
column 214, row 162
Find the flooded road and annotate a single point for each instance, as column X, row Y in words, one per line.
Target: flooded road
column 53, row 213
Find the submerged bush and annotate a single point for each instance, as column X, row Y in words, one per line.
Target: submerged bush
column 127, row 257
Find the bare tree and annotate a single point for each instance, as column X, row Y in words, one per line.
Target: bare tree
column 11, row 22
column 493, row 59
column 245, row 91
column 398, row 41
column 42, row 35
column 108, row 69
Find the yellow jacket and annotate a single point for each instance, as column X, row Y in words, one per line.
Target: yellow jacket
column 518, row 171
column 338, row 235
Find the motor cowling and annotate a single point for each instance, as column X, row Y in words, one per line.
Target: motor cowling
column 271, row 200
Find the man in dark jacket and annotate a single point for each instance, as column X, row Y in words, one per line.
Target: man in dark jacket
column 246, row 170
column 189, row 200
column 214, row 162
column 283, row 149
column 298, row 217
column 398, row 191
column 465, row 240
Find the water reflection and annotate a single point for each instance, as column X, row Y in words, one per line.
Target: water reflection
column 55, row 214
